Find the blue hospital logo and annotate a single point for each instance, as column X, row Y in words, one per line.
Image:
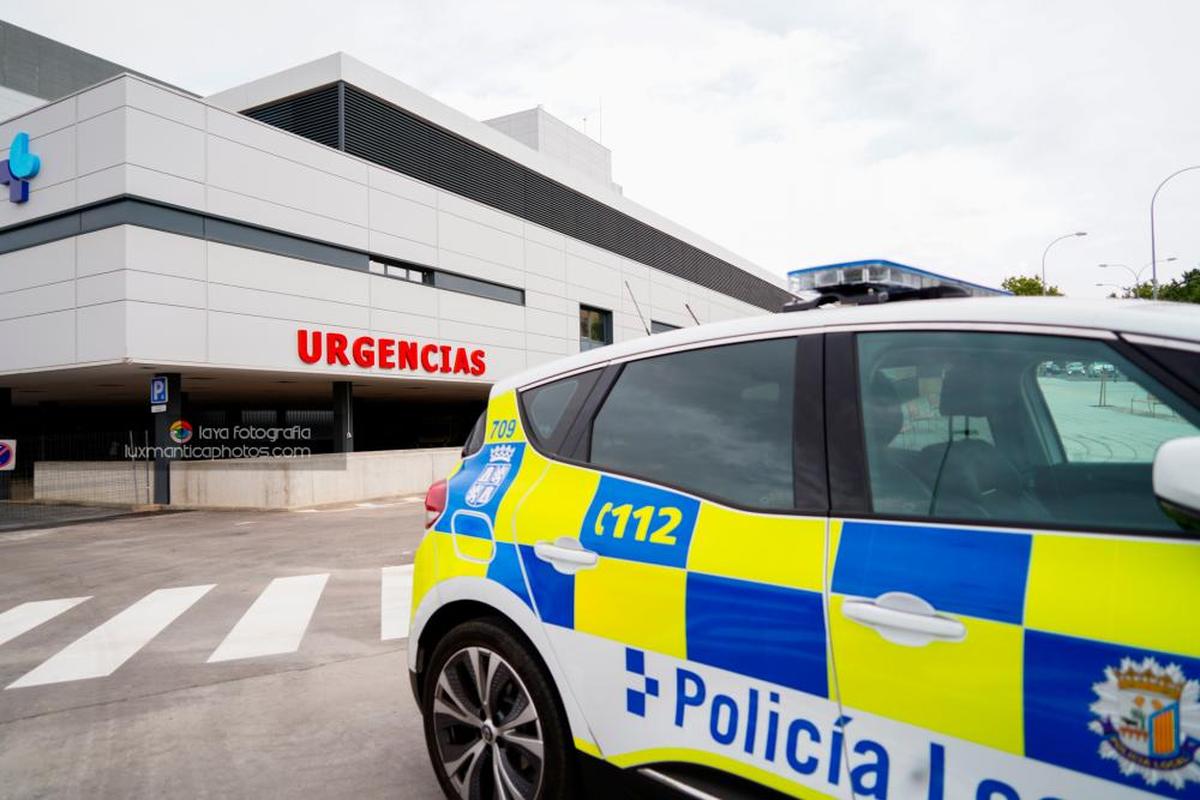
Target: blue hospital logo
column 18, row 168
column 1146, row 714
column 635, row 699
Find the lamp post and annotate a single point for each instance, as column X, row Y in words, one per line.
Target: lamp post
column 1153, row 251
column 1137, row 276
column 1047, row 250
column 1112, row 286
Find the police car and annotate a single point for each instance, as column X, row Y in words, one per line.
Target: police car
column 857, row 553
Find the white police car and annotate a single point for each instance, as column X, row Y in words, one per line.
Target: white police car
column 868, row 552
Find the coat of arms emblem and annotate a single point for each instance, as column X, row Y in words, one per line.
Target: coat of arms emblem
column 492, row 476
column 1148, row 718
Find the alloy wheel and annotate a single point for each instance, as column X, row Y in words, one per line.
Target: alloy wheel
column 489, row 737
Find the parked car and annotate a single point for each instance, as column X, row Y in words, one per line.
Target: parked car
column 713, row 560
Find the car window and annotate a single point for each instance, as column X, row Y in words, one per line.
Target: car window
column 1112, row 413
column 716, row 421
column 1014, row 428
column 546, row 406
column 475, row 440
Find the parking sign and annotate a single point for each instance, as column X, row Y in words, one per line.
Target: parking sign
column 8, row 455
column 158, row 394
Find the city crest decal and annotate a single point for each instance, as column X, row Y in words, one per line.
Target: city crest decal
column 1148, row 718
column 491, row 478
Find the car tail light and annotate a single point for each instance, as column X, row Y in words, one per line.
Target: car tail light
column 435, row 503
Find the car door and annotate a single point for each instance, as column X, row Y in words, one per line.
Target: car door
column 1011, row 614
column 675, row 549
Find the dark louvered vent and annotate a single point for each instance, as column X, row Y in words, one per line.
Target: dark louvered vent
column 314, row 115
column 377, row 131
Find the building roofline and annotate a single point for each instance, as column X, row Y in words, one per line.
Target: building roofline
column 340, row 66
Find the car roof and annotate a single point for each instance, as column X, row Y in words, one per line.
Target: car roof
column 1179, row 321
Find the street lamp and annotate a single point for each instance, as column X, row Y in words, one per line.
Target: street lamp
column 1112, row 285
column 1047, row 250
column 1153, row 252
column 1137, row 276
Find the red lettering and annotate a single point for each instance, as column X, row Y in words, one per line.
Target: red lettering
column 477, row 365
column 408, row 355
column 364, row 352
column 337, row 349
column 426, row 352
column 460, row 362
column 310, row 353
column 387, row 353
column 446, row 365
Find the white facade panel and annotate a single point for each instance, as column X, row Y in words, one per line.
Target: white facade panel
column 100, row 333
column 472, row 238
column 397, row 216
column 142, row 295
column 101, row 142
column 43, row 340
column 158, row 332
column 164, row 253
column 278, row 305
column 37, row 266
column 163, row 145
column 252, row 269
column 104, row 287
column 37, row 300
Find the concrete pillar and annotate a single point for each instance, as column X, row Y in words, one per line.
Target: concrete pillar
column 343, row 417
column 162, row 437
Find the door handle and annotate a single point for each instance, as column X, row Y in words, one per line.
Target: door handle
column 904, row 618
column 566, row 555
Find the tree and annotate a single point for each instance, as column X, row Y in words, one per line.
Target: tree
column 1028, row 285
column 1184, row 289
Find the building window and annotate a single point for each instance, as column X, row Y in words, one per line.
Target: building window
column 662, row 327
column 448, row 281
column 405, row 272
column 479, row 288
column 595, row 328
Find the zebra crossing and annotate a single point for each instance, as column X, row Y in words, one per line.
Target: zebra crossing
column 274, row 624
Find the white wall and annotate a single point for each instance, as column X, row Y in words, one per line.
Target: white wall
column 141, row 295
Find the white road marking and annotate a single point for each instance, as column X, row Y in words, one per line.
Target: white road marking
column 105, row 648
column 276, row 621
column 27, row 616
column 396, row 601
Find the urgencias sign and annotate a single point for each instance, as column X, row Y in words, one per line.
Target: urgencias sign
column 371, row 352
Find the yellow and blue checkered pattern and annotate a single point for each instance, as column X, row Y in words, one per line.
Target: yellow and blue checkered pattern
column 730, row 589
column 1045, row 615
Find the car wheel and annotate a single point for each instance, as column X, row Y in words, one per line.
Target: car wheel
column 493, row 723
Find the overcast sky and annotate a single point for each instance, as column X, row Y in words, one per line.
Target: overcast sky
column 959, row 137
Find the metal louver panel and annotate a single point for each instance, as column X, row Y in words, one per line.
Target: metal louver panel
column 373, row 129
column 314, row 115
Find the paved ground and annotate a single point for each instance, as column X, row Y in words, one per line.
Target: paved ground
column 115, row 696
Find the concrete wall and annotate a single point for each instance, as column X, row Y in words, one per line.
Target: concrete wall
column 133, row 294
column 252, row 483
column 314, row 481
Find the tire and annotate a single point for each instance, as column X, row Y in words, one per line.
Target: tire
column 483, row 743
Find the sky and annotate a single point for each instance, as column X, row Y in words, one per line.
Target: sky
column 961, row 137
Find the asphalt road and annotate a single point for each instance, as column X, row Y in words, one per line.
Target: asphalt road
column 115, row 695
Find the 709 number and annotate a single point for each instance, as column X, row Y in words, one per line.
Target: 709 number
column 503, row 428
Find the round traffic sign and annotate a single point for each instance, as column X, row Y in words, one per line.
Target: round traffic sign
column 6, row 455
